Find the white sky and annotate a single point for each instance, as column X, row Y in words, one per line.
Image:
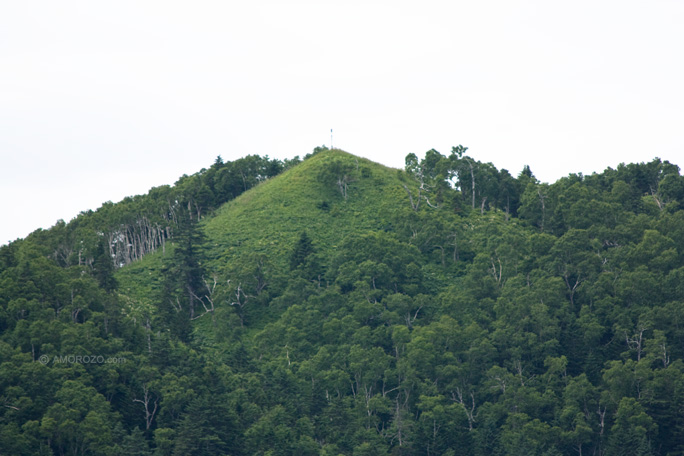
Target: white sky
column 100, row 100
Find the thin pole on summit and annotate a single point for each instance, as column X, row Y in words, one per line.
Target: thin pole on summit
column 331, row 139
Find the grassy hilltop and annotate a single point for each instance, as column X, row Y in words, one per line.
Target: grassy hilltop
column 269, row 219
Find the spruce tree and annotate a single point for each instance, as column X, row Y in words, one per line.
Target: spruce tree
column 103, row 267
column 302, row 250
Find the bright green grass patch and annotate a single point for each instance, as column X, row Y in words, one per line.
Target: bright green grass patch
column 268, row 219
column 142, row 279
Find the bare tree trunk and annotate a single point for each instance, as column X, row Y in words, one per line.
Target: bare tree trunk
column 469, row 409
column 414, row 206
column 149, row 339
column 636, row 341
column 147, row 402
column 542, row 199
column 472, row 180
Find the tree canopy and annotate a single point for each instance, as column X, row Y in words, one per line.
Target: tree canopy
column 334, row 306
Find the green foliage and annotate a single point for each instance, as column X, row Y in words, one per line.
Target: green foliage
column 346, row 308
column 302, row 251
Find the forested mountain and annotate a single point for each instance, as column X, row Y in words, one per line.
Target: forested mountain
column 333, row 306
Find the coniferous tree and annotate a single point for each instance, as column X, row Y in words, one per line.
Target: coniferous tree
column 183, row 274
column 103, row 267
column 302, row 251
column 188, row 261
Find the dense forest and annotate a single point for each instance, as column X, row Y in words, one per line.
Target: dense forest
column 333, row 306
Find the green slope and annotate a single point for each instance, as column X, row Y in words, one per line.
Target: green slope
column 268, row 219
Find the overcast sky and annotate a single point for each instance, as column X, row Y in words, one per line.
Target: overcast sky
column 101, row 100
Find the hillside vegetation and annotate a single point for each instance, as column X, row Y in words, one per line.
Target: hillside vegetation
column 335, row 306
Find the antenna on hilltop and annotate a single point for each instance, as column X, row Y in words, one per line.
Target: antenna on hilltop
column 331, row 139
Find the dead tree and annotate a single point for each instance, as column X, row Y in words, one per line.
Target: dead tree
column 208, row 297
column 241, row 299
column 146, row 401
